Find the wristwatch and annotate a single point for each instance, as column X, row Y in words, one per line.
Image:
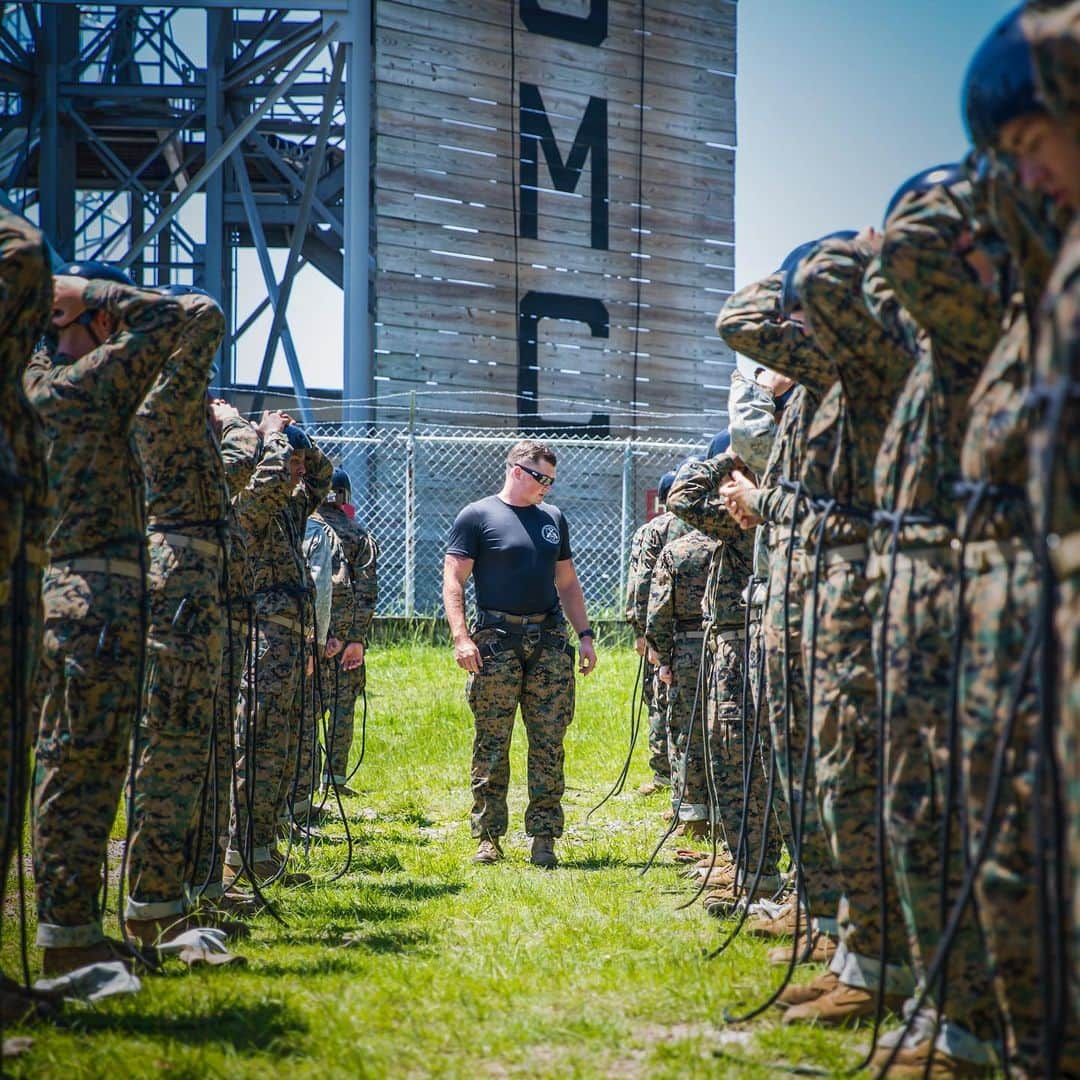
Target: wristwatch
column 587, row 632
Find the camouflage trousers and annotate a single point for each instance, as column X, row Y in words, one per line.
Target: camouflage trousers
column 341, row 692
column 913, row 643
column 270, row 691
column 212, row 842
column 20, row 647
column 1001, row 591
column 847, row 749
column 91, row 660
column 541, row 681
column 658, row 756
column 781, row 630
column 738, row 774
column 1067, row 632
column 305, row 754
column 184, row 648
column 686, row 723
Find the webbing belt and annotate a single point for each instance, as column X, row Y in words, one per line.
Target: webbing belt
column 283, row 620
column 986, row 554
column 182, row 540
column 117, row 567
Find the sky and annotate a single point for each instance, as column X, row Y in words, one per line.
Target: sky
column 839, row 101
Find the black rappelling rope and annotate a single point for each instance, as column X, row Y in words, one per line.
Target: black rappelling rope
column 637, row 699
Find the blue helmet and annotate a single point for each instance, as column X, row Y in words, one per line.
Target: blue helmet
column 340, row 486
column 1000, row 83
column 182, row 290
column 97, row 270
column 720, row 442
column 664, row 486
column 927, row 180
column 298, row 437
column 789, row 296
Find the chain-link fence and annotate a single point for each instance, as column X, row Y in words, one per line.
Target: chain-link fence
column 409, row 484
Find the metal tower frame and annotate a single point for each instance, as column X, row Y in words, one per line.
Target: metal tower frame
column 118, row 121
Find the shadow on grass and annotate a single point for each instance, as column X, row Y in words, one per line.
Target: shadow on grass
column 243, row 1027
column 330, row 962
column 387, row 941
column 376, row 864
column 419, row 890
column 598, row 862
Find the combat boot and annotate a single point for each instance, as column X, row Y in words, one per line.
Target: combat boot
column 842, row 1005
column 651, row 787
column 783, row 925
column 911, row 1062
column 821, row 950
column 800, row 993
column 693, row 830
column 543, row 852
column 487, row 852
column 60, row 961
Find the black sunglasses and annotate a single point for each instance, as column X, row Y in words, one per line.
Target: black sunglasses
column 541, row 478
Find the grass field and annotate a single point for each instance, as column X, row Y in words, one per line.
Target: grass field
column 417, row 963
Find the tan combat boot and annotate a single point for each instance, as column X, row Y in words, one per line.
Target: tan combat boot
column 543, row 852
column 822, row 950
column 910, row 1062
column 842, row 1005
column 487, row 852
column 60, row 961
column 782, row 926
column 800, row 993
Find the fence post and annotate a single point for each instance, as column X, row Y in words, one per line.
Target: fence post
column 410, row 511
column 627, row 514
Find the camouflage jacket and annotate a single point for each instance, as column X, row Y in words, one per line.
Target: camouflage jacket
column 259, row 486
column 918, row 461
column 751, row 421
column 1055, row 454
column 752, row 324
column 694, row 498
column 661, row 530
column 995, row 448
column 88, row 407
column 857, row 320
column 632, row 563
column 186, row 490
column 355, row 575
column 677, row 591
column 25, row 308
column 280, row 577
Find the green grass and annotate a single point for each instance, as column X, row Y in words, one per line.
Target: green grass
column 418, row 963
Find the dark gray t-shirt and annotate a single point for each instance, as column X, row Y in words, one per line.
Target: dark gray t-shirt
column 514, row 549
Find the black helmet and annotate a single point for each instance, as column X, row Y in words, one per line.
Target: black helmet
column 298, row 437
column 720, row 443
column 789, row 297
column 938, row 176
column 664, row 486
column 340, row 483
column 97, row 270
column 1000, row 82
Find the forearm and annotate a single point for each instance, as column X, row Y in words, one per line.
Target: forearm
column 454, row 605
column 573, row 604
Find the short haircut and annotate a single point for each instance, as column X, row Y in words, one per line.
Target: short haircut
column 531, row 450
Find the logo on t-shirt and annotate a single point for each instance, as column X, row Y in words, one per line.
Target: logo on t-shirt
column 550, row 533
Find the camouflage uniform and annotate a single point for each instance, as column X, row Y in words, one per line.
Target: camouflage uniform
column 274, row 682
column 541, row 680
column 356, row 590
column 915, row 575
column 673, row 630
column 740, row 783
column 93, row 594
column 25, row 306
column 751, row 324
column 654, row 535
column 1054, row 451
column 259, row 485
column 186, row 503
column 844, row 297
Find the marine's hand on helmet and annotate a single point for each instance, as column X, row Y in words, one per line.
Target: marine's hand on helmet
column 273, row 420
column 68, row 303
column 736, row 493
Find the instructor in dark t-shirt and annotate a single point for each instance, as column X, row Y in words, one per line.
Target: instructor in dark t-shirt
column 517, row 653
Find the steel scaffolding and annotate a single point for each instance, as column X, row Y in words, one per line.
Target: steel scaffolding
column 169, row 138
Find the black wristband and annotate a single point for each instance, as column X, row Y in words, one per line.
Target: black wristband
column 587, row 632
